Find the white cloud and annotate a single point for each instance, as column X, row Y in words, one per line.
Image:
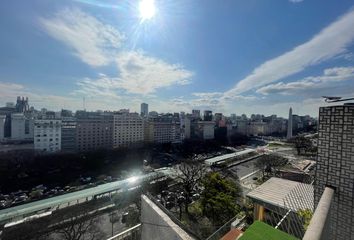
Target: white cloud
column 102, row 87
column 330, row 42
column 138, row 74
column 329, row 76
column 142, row 74
column 91, row 40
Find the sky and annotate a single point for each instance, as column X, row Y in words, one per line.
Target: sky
column 232, row 56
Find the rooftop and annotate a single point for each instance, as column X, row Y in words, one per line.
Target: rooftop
column 276, row 191
column 210, row 161
column 261, row 231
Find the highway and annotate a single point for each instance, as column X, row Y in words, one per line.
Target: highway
column 27, row 209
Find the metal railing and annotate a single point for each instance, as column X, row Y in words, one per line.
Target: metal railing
column 132, row 233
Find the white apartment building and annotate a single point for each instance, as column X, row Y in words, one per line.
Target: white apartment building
column 163, row 132
column 47, row 135
column 128, row 129
column 21, row 127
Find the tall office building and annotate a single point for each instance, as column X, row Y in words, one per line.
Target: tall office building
column 290, row 125
column 2, row 127
column 335, row 167
column 208, row 115
column 68, row 134
column 144, row 109
column 22, row 104
column 196, row 114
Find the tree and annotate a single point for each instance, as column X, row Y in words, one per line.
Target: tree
column 301, row 144
column 269, row 162
column 191, row 175
column 79, row 225
column 219, row 197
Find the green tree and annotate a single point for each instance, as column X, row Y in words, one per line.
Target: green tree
column 306, row 215
column 219, row 197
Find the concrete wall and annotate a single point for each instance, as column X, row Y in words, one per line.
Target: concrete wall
column 157, row 225
column 335, row 167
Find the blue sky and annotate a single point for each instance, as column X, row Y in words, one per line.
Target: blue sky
column 236, row 57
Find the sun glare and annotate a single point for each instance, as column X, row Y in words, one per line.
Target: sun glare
column 147, row 9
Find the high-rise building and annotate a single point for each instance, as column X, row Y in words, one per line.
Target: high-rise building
column 335, row 167
column 128, row 129
column 22, row 105
column 21, row 127
column 144, row 109
column 2, row 127
column 68, row 134
column 47, row 135
column 208, row 115
column 290, row 125
column 196, row 114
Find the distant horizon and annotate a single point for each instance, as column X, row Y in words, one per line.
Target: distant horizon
column 236, row 57
column 138, row 111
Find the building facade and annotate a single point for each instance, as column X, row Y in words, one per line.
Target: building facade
column 2, row 127
column 335, row 167
column 144, row 109
column 47, row 135
column 94, row 130
column 68, row 134
column 128, row 129
column 21, row 127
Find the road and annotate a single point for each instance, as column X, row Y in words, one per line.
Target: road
column 72, row 198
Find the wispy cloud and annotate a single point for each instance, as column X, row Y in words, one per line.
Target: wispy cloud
column 330, row 42
column 138, row 74
column 329, row 76
column 296, row 1
column 142, row 74
column 91, row 40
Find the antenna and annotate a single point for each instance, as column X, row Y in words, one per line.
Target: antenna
column 84, row 103
column 330, row 99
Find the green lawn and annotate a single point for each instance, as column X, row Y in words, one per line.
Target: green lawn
column 261, row 231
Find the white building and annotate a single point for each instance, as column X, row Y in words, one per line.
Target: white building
column 163, row 132
column 128, row 129
column 21, row 127
column 47, row 135
column 2, row 127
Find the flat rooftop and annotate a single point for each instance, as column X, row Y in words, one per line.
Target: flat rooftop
column 284, row 193
column 213, row 160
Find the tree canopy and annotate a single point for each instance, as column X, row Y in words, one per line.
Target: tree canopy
column 219, row 198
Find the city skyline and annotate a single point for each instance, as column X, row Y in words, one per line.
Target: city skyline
column 238, row 58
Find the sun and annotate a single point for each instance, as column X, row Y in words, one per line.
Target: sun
column 147, row 9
